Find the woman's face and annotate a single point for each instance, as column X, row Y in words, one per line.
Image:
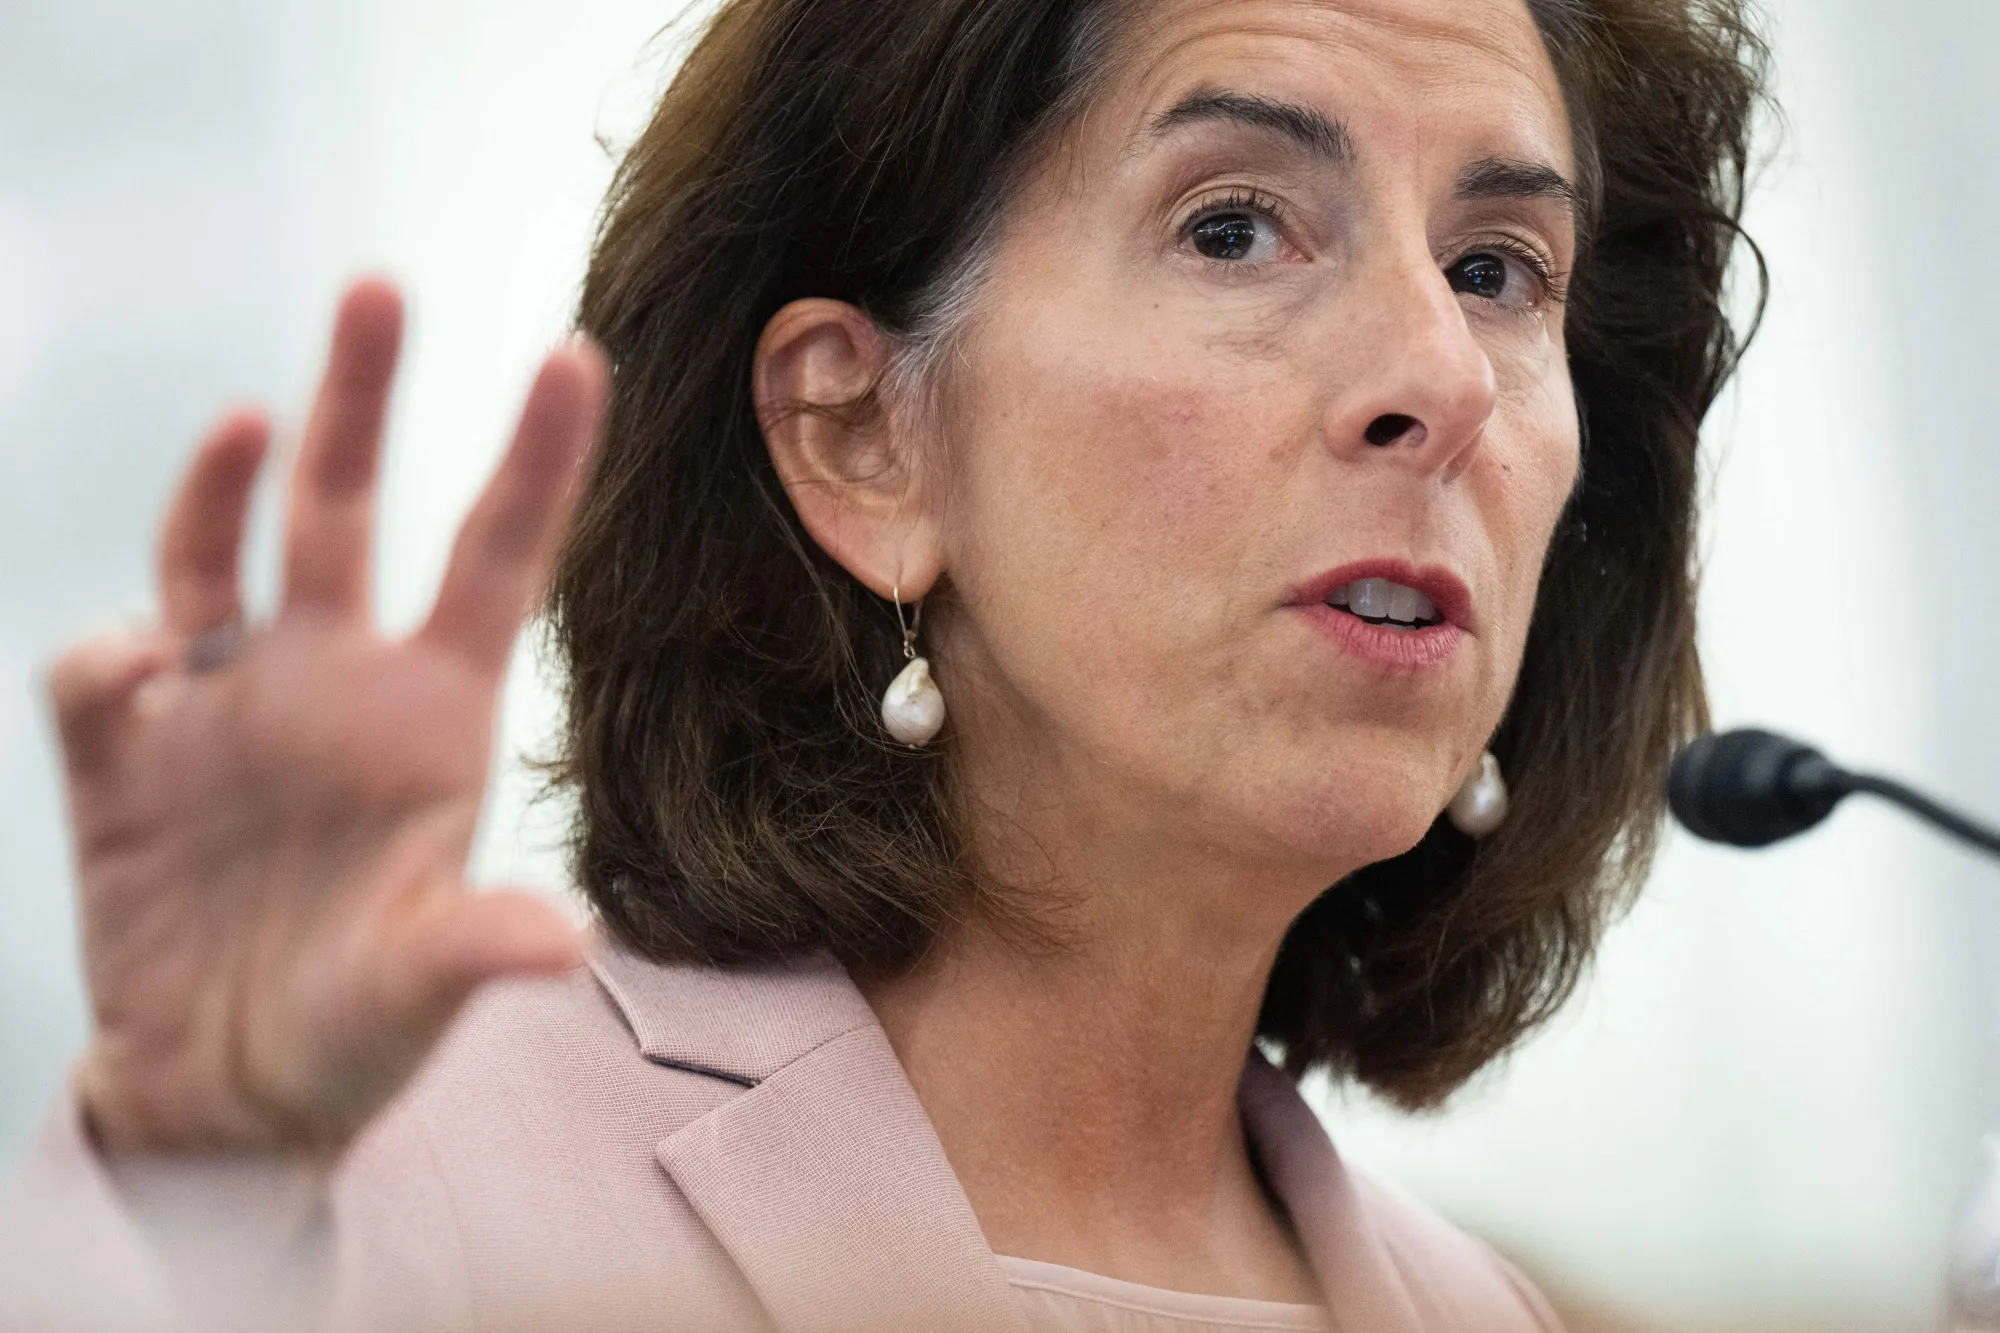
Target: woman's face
column 1282, row 316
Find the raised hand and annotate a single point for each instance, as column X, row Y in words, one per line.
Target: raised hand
column 272, row 824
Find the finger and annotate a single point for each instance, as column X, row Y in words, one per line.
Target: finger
column 202, row 542
column 472, row 939
column 503, row 554
column 91, row 688
column 333, row 487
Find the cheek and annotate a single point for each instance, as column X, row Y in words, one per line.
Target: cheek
column 1120, row 466
column 1532, row 471
column 1099, row 469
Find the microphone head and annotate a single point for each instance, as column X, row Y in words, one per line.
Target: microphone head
column 1751, row 788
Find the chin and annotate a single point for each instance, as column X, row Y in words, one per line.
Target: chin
column 1370, row 804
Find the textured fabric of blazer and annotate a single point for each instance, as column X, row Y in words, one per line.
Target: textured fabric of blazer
column 643, row 1147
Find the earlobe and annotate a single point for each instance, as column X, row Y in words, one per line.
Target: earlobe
column 857, row 481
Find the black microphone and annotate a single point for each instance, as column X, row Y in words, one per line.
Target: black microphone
column 1752, row 788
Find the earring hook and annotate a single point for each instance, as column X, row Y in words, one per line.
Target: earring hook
column 910, row 626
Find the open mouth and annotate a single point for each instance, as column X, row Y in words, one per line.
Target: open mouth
column 1386, row 603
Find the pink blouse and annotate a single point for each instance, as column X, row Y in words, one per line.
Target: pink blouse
column 1067, row 1300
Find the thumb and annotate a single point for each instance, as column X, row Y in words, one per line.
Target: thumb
column 91, row 688
column 471, row 939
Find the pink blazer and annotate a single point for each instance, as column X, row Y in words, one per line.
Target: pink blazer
column 640, row 1147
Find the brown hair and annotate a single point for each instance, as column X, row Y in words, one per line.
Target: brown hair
column 736, row 799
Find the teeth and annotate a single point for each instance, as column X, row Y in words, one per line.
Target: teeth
column 1379, row 599
column 1369, row 598
column 1403, row 603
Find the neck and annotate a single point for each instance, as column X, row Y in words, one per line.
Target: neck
column 1085, row 1089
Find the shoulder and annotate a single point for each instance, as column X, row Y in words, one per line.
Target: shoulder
column 624, row 1049
column 554, row 1060
column 1456, row 1280
column 537, row 1129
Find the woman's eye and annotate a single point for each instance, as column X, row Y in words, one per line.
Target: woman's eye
column 1479, row 275
column 1498, row 278
column 1234, row 237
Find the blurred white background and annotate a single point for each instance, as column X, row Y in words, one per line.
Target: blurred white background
column 1760, row 1113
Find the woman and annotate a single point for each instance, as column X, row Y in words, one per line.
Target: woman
column 1079, row 480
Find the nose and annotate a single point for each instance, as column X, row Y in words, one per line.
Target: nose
column 1420, row 386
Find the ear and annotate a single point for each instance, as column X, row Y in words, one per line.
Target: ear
column 861, row 487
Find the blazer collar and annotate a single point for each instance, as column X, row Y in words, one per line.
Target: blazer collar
column 1354, row 1267
column 742, row 1024
column 827, row 1185
column 823, row 1179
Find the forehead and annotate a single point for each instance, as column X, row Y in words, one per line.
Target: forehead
column 1465, row 76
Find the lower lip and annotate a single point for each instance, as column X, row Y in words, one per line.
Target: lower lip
column 1397, row 649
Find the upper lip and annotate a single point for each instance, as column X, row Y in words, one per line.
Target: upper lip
column 1445, row 589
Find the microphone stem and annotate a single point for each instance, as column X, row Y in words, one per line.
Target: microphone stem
column 1930, row 811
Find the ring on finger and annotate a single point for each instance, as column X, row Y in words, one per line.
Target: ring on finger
column 214, row 649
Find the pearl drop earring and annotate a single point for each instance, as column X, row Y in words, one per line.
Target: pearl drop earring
column 912, row 706
column 1481, row 804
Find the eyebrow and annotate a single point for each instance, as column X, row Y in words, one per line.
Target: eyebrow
column 1505, row 178
column 1311, row 129
column 1329, row 139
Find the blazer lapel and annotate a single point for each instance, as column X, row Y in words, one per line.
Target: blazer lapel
column 1354, row 1269
column 829, row 1188
column 823, row 1179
